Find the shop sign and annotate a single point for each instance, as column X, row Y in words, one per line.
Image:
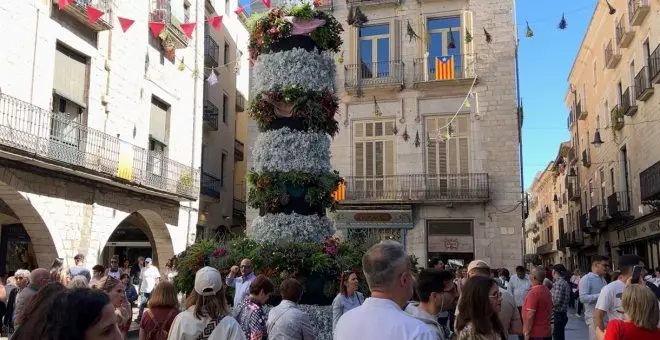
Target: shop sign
column 450, row 244
column 398, row 219
column 639, row 231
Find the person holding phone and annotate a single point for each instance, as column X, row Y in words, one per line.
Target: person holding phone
column 609, row 300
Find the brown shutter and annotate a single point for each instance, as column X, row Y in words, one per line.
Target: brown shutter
column 369, row 159
column 369, row 129
column 379, row 159
column 359, row 159
column 378, row 129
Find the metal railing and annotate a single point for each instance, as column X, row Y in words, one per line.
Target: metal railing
column 598, row 213
column 427, row 69
column 210, row 115
column 643, row 84
column 618, row 204
column 64, row 138
column 240, row 102
column 654, row 65
column 78, row 9
column 239, row 151
column 239, row 207
column 418, row 187
column 161, row 11
column 649, row 183
column 629, row 101
column 579, row 113
column 623, row 34
column 611, row 59
column 380, row 73
column 210, row 185
column 636, row 8
column 370, row 2
column 575, row 238
column 544, row 248
column 211, row 51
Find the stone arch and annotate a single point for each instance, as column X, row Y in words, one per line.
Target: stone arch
column 152, row 225
column 23, row 210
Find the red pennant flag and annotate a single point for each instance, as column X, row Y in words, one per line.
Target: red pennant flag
column 216, row 22
column 93, row 14
column 125, row 23
column 63, row 3
column 266, row 2
column 156, row 28
column 239, row 10
column 188, row 29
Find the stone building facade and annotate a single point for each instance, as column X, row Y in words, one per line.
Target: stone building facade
column 457, row 199
column 100, row 129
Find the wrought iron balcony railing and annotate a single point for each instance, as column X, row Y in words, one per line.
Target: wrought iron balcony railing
column 637, row 11
column 575, row 238
column 584, row 223
column 60, row 138
column 78, row 10
column 612, row 55
column 470, row 187
column 210, row 185
column 239, row 207
column 211, row 51
column 598, row 214
column 618, row 205
column 629, row 101
column 239, row 151
column 210, row 115
column 643, row 86
column 580, row 112
column 544, row 248
column 624, row 33
column 162, row 12
column 654, row 65
column 446, row 68
column 649, row 183
column 240, row 102
column 377, row 74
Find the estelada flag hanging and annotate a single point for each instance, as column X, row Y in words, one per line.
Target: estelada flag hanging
column 444, row 68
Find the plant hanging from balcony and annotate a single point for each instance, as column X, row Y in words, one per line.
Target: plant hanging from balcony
column 377, row 111
column 529, row 33
column 489, row 38
column 411, row 33
column 395, row 130
column 468, row 36
column 405, row 136
column 562, row 23
column 611, row 8
column 417, row 141
column 452, row 43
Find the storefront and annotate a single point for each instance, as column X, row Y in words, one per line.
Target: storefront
column 642, row 237
column 451, row 241
column 367, row 224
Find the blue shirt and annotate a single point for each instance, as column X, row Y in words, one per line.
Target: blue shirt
column 342, row 304
column 590, row 287
column 241, row 286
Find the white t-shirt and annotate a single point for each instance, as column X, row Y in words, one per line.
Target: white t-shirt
column 609, row 300
column 148, row 278
column 187, row 327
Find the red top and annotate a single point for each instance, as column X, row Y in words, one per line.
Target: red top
column 162, row 323
column 619, row 330
column 539, row 299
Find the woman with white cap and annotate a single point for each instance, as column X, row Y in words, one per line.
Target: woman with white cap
column 207, row 314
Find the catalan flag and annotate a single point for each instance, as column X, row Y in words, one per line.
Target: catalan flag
column 444, row 68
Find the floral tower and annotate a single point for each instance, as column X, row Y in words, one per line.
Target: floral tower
column 291, row 180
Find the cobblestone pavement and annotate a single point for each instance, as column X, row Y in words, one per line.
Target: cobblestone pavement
column 576, row 329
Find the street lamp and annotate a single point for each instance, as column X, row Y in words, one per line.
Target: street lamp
column 597, row 140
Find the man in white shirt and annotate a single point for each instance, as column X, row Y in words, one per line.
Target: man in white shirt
column 149, row 278
column 386, row 267
column 519, row 286
column 437, row 293
column 242, row 283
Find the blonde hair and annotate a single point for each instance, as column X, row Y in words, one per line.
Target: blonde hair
column 213, row 306
column 164, row 295
column 641, row 306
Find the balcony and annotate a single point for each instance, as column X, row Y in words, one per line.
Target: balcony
column 420, row 188
column 649, row 183
column 211, row 52
column 575, row 239
column 612, row 56
column 210, row 186
column 616, row 115
column 629, row 101
column 580, row 112
column 562, row 242
column 239, row 151
column 637, row 11
column 643, row 86
column 324, row 5
column 597, row 215
column 382, row 74
column 573, row 191
column 364, row 3
column 163, row 13
column 67, row 145
column 240, row 102
column 624, row 33
column 586, row 159
column 239, row 207
column 618, row 206
column 545, row 249
column 78, row 10
column 584, row 224
column 571, row 155
column 456, row 70
column 654, row 66
column 210, row 114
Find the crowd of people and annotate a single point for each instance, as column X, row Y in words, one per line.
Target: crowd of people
column 440, row 302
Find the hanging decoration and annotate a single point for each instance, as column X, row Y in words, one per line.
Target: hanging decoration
column 405, row 136
column 182, row 65
column 351, row 16
column 156, row 28
column 125, row 23
column 359, row 18
column 266, row 3
column 451, row 44
column 609, row 5
column 429, row 143
column 529, row 33
column 489, row 38
column 239, row 10
column 417, row 141
column 395, row 130
column 467, row 104
column 63, row 3
column 188, row 29
column 468, row 36
column 377, row 111
column 212, row 79
column 411, row 33
column 93, row 14
column 340, row 58
column 216, row 22
column 562, row 23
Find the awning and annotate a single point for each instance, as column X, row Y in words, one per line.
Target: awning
column 374, row 219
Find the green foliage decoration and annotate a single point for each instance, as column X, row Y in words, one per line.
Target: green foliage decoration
column 269, row 189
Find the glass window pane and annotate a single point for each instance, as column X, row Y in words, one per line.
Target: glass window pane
column 374, row 30
column 440, row 23
column 366, row 57
column 383, row 55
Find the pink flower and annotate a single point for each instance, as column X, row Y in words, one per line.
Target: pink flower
column 220, row 252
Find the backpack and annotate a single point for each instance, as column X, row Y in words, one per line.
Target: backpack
column 158, row 332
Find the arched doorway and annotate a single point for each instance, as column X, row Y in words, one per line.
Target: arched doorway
column 25, row 241
column 141, row 233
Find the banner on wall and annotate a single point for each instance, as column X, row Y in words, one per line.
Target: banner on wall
column 125, row 164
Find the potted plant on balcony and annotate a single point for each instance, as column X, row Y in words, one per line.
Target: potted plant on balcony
column 617, row 117
column 184, row 185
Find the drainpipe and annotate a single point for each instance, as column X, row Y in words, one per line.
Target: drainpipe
column 34, row 53
column 194, row 116
column 108, row 66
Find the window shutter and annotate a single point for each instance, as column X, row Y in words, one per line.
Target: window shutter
column 353, row 45
column 463, row 155
column 369, row 127
column 70, row 77
column 431, row 158
column 379, row 159
column 390, row 156
column 369, row 159
column 158, row 121
column 378, row 129
column 422, row 32
column 452, row 161
column 395, row 41
column 389, row 126
column 359, row 159
column 358, row 130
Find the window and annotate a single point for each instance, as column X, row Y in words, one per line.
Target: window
column 595, row 74
column 225, row 56
column 227, row 7
column 71, row 75
column 591, row 193
column 186, row 11
column 612, row 183
column 451, row 156
column 374, row 155
column 205, row 151
column 65, row 122
column 158, row 134
column 439, row 40
column 225, row 107
column 375, row 51
column 619, row 93
column 223, row 165
column 603, row 187
column 606, row 107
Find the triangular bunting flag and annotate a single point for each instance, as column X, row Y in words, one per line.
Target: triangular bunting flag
column 156, row 28
column 212, row 79
column 239, row 10
column 188, row 29
column 63, row 3
column 266, row 2
column 216, row 22
column 125, row 23
column 93, row 14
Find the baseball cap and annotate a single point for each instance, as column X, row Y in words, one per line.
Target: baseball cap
column 208, row 281
column 559, row 268
column 148, row 259
column 478, row 264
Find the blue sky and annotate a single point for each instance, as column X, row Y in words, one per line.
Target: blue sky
column 543, row 88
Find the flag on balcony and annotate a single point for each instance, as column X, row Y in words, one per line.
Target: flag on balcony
column 216, row 22
column 93, row 14
column 444, row 68
column 125, row 164
column 63, row 3
column 188, row 29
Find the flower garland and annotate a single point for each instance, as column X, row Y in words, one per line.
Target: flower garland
column 292, row 228
column 273, row 189
column 271, row 27
column 285, row 150
column 316, row 109
column 312, row 71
